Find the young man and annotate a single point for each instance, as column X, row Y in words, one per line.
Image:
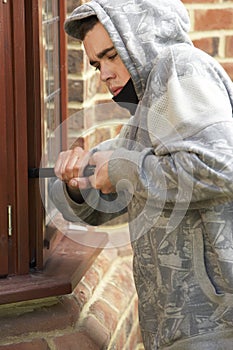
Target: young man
column 172, row 166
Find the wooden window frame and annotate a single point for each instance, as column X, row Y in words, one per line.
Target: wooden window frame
column 15, row 108
column 21, row 148
column 3, row 157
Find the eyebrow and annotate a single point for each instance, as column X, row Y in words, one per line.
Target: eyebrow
column 102, row 54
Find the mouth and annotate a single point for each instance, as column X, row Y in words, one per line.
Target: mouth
column 116, row 91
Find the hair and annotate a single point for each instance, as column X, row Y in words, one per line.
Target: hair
column 86, row 24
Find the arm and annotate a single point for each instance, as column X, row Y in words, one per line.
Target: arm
column 195, row 173
column 73, row 195
column 93, row 208
column 189, row 161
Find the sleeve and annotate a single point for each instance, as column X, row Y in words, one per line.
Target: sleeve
column 96, row 209
column 189, row 163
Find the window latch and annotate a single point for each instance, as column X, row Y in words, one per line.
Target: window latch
column 4, row 1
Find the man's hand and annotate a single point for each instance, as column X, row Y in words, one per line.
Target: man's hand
column 70, row 165
column 100, row 179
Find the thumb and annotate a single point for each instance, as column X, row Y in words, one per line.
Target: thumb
column 79, row 183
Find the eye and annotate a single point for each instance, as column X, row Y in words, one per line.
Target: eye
column 112, row 57
column 97, row 67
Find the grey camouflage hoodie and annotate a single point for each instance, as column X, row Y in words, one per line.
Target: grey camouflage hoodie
column 174, row 167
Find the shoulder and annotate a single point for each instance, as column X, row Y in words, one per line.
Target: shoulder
column 182, row 61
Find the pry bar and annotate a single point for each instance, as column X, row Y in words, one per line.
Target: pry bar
column 34, row 173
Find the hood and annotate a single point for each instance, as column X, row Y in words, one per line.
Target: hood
column 139, row 30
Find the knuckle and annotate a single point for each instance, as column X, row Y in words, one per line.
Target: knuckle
column 62, row 154
column 63, row 173
column 76, row 149
column 98, row 185
column 69, row 168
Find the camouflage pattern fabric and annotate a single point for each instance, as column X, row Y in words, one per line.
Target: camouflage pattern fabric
column 176, row 154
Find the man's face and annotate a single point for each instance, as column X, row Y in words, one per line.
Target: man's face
column 103, row 55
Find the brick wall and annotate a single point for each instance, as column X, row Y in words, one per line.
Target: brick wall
column 212, row 29
column 102, row 311
column 87, row 93
column 100, row 314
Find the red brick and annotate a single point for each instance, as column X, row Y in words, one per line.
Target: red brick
column 133, row 338
column 75, row 61
column 125, row 251
column 119, row 341
column 76, row 122
column 105, row 314
column 82, row 293
column 228, row 68
column 96, row 331
column 229, row 46
column 103, row 133
column 33, row 345
column 213, row 19
column 75, row 341
column 91, row 87
column 76, row 90
column 209, row 45
column 116, row 297
column 139, row 335
column 39, row 319
column 129, row 332
column 123, row 278
column 102, row 263
column 89, row 114
column 92, row 278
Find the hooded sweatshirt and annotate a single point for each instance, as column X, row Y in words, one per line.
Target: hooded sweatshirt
column 173, row 167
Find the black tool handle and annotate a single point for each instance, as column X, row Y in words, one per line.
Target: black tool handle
column 34, row 173
column 89, row 170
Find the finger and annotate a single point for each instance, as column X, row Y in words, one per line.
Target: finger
column 72, row 165
column 72, row 168
column 84, row 183
column 104, row 186
column 69, row 166
column 83, row 163
column 64, row 168
column 79, row 182
column 59, row 166
column 76, row 156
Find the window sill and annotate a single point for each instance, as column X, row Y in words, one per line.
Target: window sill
column 63, row 270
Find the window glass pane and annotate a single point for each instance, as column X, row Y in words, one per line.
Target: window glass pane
column 51, row 87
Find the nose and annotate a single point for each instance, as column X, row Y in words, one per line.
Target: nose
column 106, row 72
